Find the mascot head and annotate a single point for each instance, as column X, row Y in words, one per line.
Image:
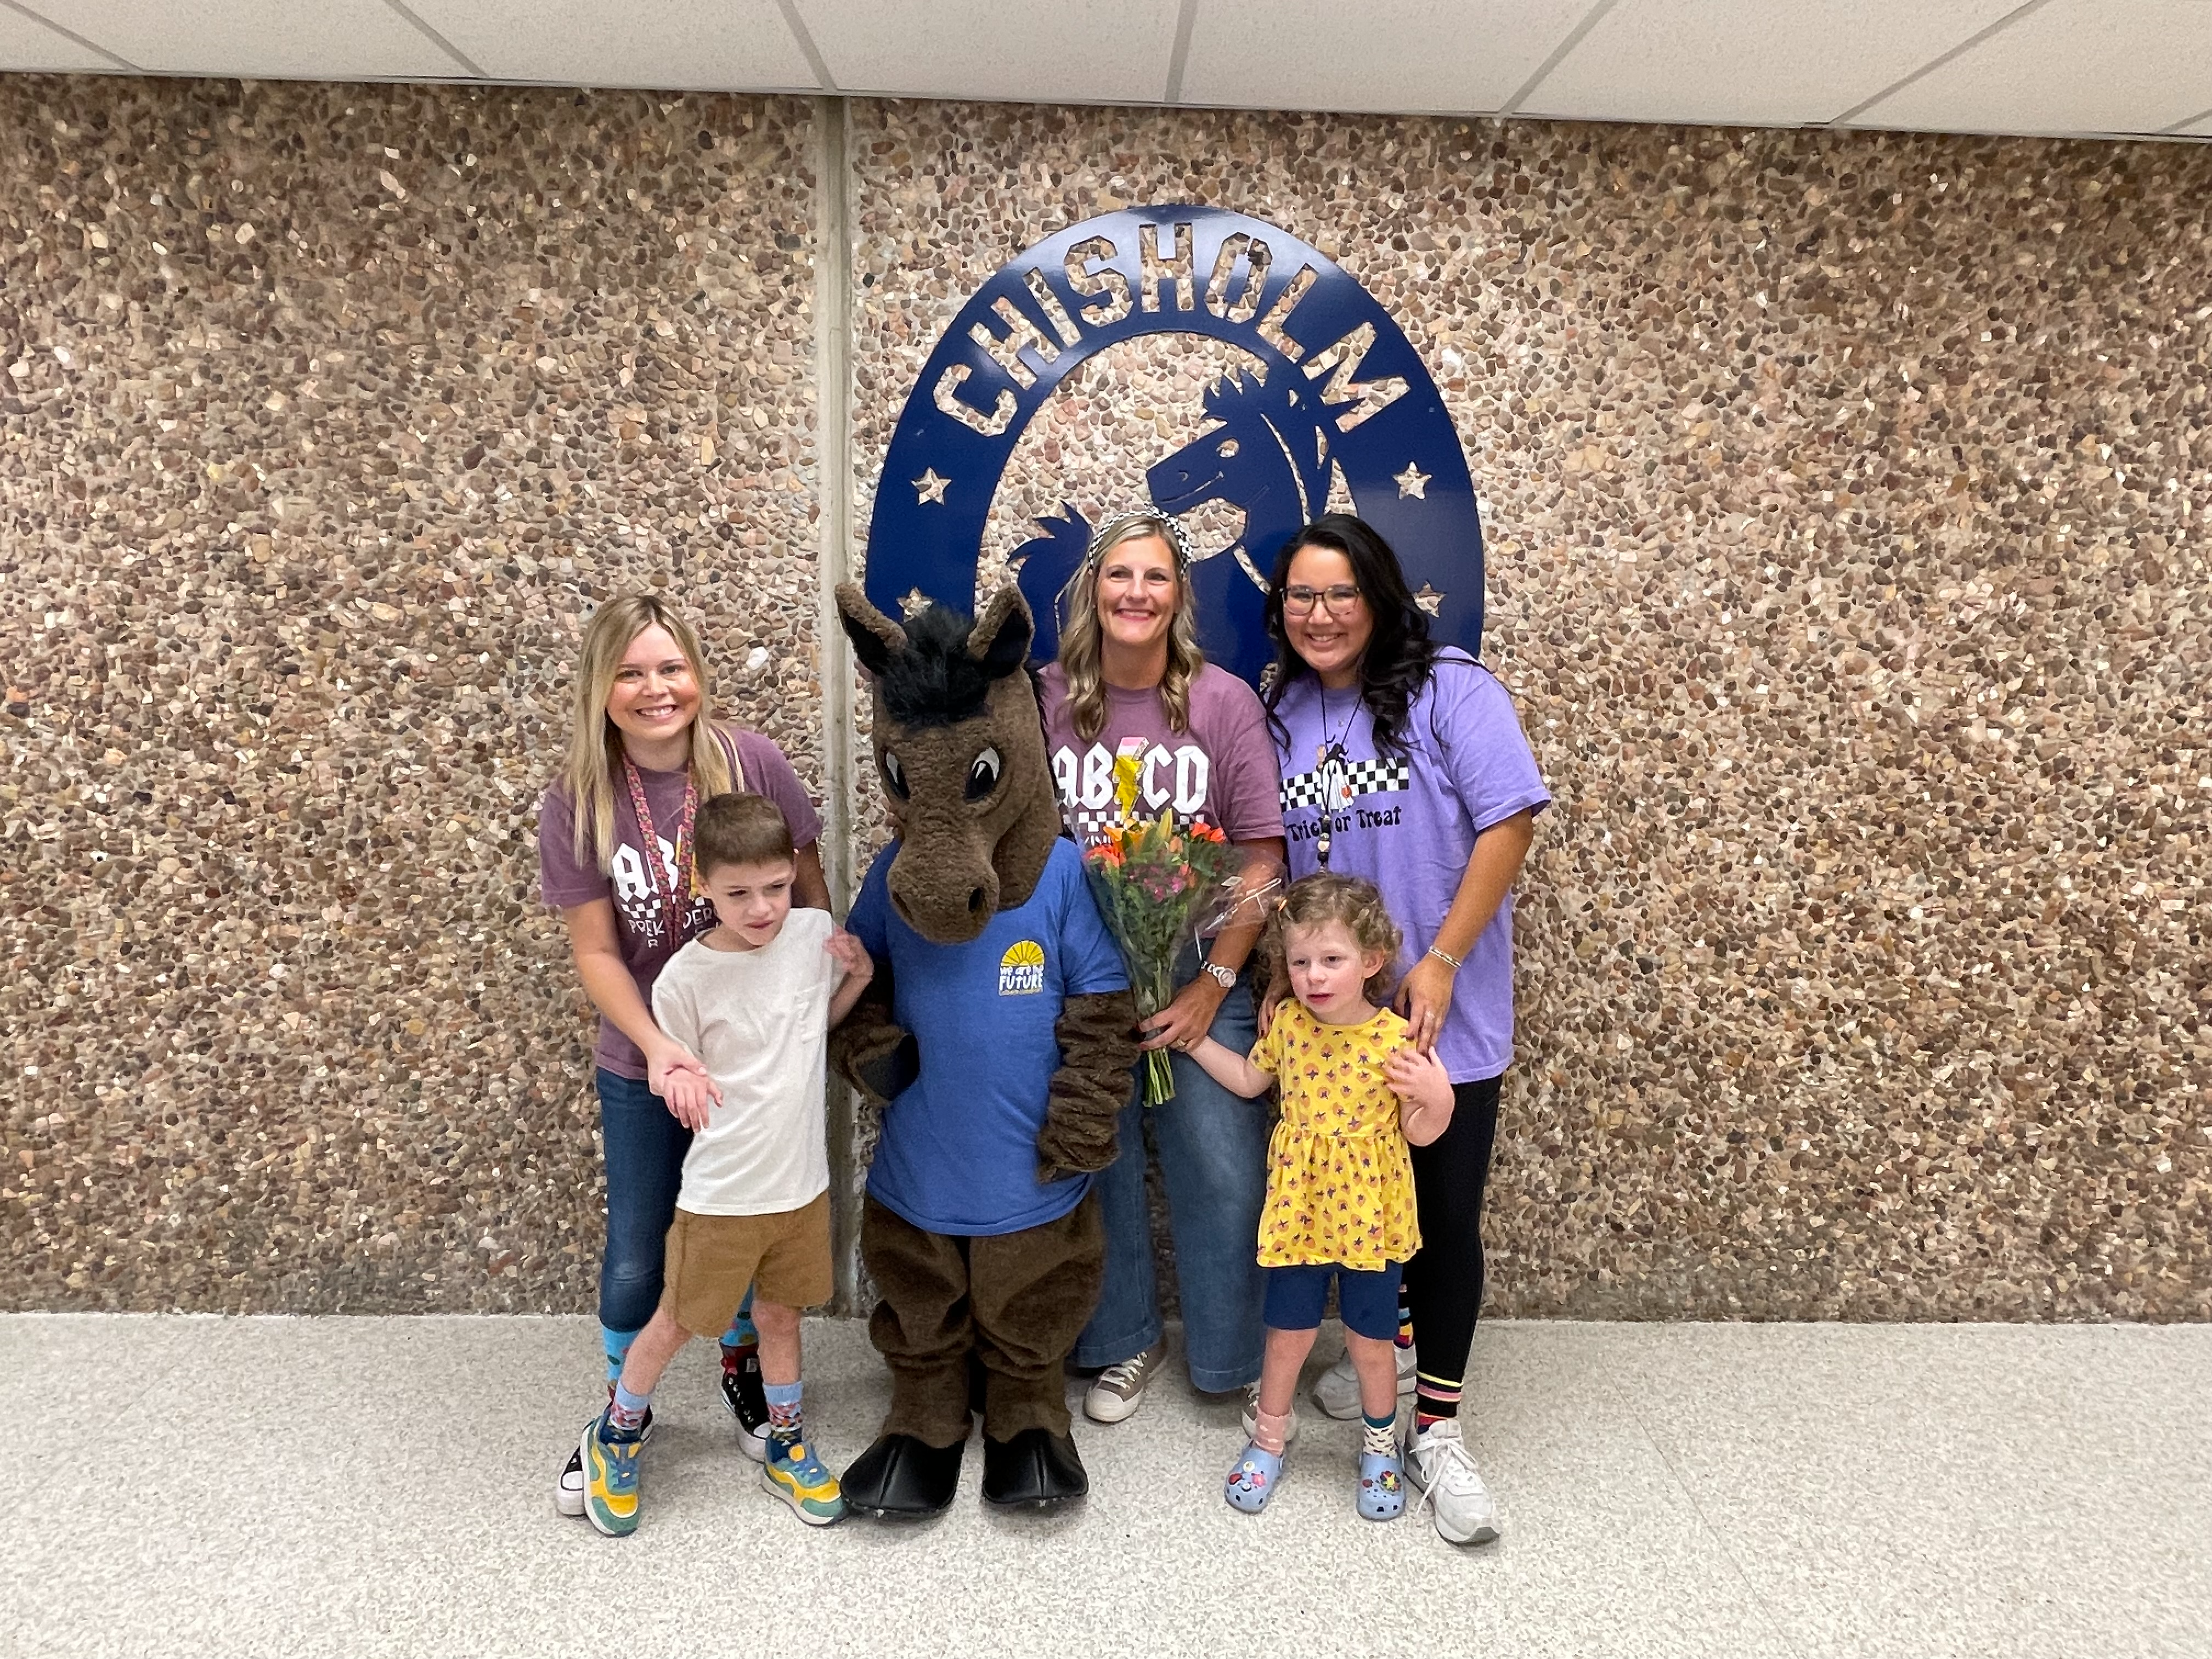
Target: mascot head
column 960, row 749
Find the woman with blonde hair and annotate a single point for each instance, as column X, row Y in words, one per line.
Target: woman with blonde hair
column 1132, row 682
column 614, row 847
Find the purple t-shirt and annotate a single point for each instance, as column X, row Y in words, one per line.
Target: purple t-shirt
column 1407, row 822
column 568, row 876
column 1222, row 769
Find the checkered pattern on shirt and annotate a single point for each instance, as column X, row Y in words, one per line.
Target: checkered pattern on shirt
column 1368, row 777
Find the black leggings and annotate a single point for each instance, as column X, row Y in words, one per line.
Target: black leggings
column 1443, row 1282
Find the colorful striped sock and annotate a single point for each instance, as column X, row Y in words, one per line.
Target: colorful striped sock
column 1434, row 1398
column 1405, row 1338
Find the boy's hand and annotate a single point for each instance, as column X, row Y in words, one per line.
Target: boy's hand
column 690, row 1096
column 851, row 955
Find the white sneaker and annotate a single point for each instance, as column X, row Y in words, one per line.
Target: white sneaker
column 1252, row 1417
column 1336, row 1391
column 1439, row 1468
column 1120, row 1389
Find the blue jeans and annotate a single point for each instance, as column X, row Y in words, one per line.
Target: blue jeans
column 1213, row 1161
column 644, row 1148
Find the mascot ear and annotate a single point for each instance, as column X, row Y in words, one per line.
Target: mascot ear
column 875, row 636
column 1000, row 638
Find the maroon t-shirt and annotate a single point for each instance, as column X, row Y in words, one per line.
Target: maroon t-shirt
column 1223, row 770
column 568, row 876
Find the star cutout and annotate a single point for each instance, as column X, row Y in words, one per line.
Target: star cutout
column 929, row 487
column 1429, row 600
column 1412, row 482
column 913, row 602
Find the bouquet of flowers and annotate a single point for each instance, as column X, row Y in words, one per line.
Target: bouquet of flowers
column 1159, row 886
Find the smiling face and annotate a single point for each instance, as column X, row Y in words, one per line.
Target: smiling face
column 1138, row 592
column 655, row 693
column 1329, row 971
column 752, row 900
column 1331, row 644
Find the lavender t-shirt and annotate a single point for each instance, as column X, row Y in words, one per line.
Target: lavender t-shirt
column 1221, row 770
column 1407, row 822
column 568, row 875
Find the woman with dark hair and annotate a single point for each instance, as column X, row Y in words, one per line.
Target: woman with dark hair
column 1404, row 763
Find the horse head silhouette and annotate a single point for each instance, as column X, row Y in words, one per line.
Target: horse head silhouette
column 1269, row 456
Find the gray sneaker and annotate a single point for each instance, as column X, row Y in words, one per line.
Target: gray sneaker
column 1438, row 1466
column 1336, row 1391
column 1120, row 1389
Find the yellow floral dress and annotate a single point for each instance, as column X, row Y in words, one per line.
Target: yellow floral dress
column 1340, row 1178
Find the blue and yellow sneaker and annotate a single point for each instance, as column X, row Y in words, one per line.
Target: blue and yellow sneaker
column 795, row 1474
column 611, row 1483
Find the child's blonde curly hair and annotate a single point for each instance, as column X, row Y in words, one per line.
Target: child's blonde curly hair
column 1356, row 905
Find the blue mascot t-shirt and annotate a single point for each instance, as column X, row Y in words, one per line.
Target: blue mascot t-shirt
column 958, row 1154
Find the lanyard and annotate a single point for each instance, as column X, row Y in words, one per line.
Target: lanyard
column 680, row 893
column 1333, row 776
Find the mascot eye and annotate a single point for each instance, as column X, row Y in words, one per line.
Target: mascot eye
column 1227, row 450
column 894, row 774
column 983, row 775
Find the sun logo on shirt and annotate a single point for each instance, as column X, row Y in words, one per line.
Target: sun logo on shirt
column 1021, row 970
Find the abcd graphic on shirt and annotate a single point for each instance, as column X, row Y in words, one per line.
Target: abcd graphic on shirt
column 1021, row 970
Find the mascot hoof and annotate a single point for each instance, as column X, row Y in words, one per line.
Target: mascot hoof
column 900, row 1478
column 1037, row 1469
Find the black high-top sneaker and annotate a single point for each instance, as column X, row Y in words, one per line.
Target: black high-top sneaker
column 746, row 1395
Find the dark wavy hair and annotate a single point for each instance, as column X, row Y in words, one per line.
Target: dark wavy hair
column 1400, row 654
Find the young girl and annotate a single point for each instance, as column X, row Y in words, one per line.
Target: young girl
column 1354, row 1092
column 615, row 858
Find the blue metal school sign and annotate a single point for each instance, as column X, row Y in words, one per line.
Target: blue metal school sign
column 1341, row 394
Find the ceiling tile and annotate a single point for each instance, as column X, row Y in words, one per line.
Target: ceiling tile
column 2073, row 66
column 734, row 45
column 279, row 39
column 1751, row 62
column 1447, row 56
column 1088, row 51
column 27, row 45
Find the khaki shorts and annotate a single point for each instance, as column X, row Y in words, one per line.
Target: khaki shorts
column 710, row 1259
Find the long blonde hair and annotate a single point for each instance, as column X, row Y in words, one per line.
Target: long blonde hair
column 1079, row 634
column 594, row 741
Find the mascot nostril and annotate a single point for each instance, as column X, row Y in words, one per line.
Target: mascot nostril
column 998, row 1037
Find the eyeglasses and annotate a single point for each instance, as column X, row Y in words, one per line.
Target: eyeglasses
column 1339, row 600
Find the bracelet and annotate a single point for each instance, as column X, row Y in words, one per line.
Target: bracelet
column 1443, row 956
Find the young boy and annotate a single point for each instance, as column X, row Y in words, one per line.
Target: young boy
column 754, row 999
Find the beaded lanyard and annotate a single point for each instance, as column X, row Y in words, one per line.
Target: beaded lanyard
column 679, row 893
column 1336, row 784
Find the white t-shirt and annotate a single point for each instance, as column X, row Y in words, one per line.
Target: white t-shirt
column 759, row 1022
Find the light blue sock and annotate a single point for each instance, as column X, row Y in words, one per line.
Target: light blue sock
column 617, row 1345
column 742, row 1332
column 626, row 1411
column 783, row 1411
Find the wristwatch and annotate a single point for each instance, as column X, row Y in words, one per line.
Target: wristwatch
column 1224, row 977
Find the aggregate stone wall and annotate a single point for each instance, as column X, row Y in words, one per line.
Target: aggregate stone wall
column 327, row 413
column 1844, row 500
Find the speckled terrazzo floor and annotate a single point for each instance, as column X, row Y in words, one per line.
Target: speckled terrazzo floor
column 250, row 1487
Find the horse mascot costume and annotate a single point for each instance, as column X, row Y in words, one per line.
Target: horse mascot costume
column 998, row 1037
